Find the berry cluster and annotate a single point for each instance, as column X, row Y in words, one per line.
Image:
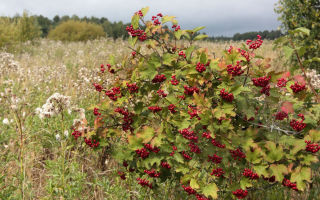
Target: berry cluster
column 200, row 67
column 235, row 70
column 186, row 156
column 201, row 197
column 281, row 115
column 91, row 142
column 161, row 93
column 122, row 175
column 287, row 183
column 159, row 78
column 165, row 165
column 143, row 153
column 112, row 94
column 98, row 87
column 181, row 53
column 217, row 144
column 226, row 95
column 127, row 118
column 174, row 148
column 102, row 69
column 296, row 87
column 133, row 54
column 270, row 179
column 282, row 82
column 312, row 147
column 174, row 81
column 190, row 90
column 193, row 113
column 109, row 69
column 155, row 19
column 150, row 148
column 194, row 148
column 240, row 193
column 152, row 173
column 215, row 159
column 171, row 108
column 133, row 88
column 189, row 190
column 255, row 44
column 176, row 27
column 297, row 125
column 249, row 174
column 76, row 134
column 139, row 13
column 206, row 135
column 142, row 36
column 189, row 135
column 237, row 154
column 155, row 109
column 96, row 112
column 265, row 90
column 245, row 54
column 261, row 81
column 144, row 182
column 217, row 172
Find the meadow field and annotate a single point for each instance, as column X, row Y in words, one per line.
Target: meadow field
column 39, row 158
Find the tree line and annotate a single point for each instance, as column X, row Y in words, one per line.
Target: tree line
column 117, row 29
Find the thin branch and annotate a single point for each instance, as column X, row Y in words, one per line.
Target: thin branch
column 304, row 72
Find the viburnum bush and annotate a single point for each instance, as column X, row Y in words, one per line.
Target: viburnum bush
column 215, row 127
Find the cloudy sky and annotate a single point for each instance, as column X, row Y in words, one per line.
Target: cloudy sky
column 221, row 17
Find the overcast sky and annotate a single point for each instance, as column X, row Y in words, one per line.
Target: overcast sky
column 221, row 17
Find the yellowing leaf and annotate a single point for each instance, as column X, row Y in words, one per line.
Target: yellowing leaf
column 211, row 190
column 278, row 171
column 194, row 184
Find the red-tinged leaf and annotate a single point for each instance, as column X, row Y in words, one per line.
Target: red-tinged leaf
column 286, row 75
column 287, row 107
column 300, row 79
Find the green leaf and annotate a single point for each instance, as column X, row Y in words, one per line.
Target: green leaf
column 198, row 29
column 309, row 159
column 300, row 175
column 200, row 37
column 189, row 51
column 278, row 171
column 211, row 190
column 245, row 183
column 261, row 170
column 275, row 153
column 167, row 18
column 135, row 21
column 135, row 142
column 298, row 146
column 178, row 34
column 147, row 133
column 145, row 10
column 168, row 58
column 178, row 157
column 203, row 58
column 288, row 51
column 132, row 41
column 302, row 30
column 194, row 184
column 315, row 135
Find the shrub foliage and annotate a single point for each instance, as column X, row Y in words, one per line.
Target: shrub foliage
column 76, row 31
column 214, row 127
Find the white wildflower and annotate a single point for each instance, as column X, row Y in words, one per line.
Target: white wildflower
column 6, row 121
column 66, row 133
column 58, row 137
column 54, row 105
